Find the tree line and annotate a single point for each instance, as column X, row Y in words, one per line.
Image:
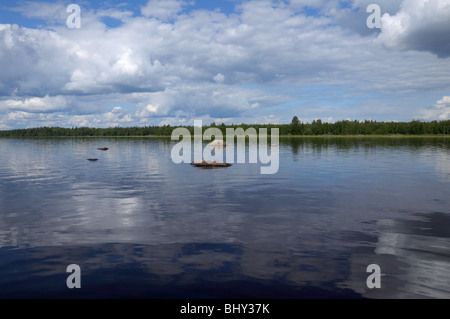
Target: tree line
column 295, row 128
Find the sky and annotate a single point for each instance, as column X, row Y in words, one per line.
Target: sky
column 160, row 62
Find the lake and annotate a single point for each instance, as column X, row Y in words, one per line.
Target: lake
column 140, row 226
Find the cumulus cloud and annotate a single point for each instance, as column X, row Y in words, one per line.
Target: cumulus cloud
column 205, row 100
column 35, row 104
column 171, row 63
column 354, row 15
column 440, row 111
column 33, row 62
column 163, row 9
column 219, row 78
column 51, row 12
column 116, row 117
column 421, row 25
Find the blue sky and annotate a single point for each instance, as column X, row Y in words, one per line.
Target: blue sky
column 154, row 62
column 9, row 9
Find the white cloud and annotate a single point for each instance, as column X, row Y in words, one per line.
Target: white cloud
column 440, row 111
column 168, row 66
column 35, row 104
column 49, row 11
column 33, row 62
column 163, row 9
column 201, row 100
column 421, row 25
column 152, row 108
column 354, row 15
column 145, row 55
column 219, row 78
column 116, row 117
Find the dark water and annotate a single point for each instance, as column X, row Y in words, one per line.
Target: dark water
column 140, row 226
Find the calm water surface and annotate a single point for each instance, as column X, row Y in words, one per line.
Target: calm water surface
column 140, row 226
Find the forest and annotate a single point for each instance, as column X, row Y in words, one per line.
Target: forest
column 295, row 128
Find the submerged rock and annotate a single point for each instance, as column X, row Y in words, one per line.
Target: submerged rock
column 211, row 164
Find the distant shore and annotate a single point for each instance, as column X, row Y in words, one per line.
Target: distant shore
column 281, row 136
column 316, row 129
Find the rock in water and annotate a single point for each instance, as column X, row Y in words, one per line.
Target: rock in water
column 210, row 164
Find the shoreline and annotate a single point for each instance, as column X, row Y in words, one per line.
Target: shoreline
column 281, row 136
